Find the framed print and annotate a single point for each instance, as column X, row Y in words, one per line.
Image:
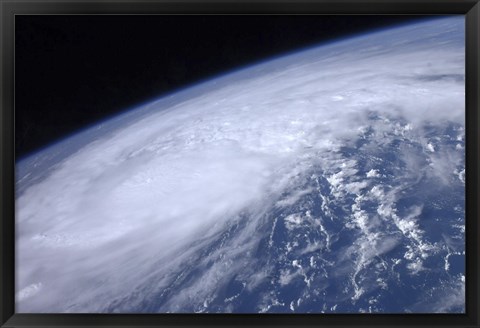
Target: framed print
column 239, row 164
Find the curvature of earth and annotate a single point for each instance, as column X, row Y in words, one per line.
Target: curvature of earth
column 330, row 180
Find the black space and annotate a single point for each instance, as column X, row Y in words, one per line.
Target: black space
column 71, row 71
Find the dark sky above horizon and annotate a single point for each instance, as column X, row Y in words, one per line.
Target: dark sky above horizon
column 73, row 71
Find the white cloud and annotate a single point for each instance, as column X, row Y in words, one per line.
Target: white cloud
column 373, row 173
column 293, row 220
column 294, row 197
column 28, row 291
column 430, row 147
column 415, row 266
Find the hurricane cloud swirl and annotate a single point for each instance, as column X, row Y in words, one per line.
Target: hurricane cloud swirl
column 171, row 212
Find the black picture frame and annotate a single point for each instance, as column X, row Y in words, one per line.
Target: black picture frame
column 8, row 10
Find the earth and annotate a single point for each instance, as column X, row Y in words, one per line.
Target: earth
column 328, row 180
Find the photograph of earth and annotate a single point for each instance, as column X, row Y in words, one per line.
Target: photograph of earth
column 324, row 178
